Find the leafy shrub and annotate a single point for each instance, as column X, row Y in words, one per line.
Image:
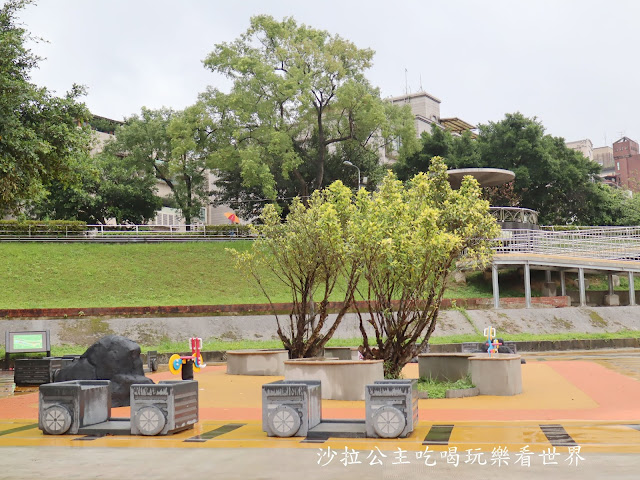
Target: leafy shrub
column 229, row 230
column 42, row 227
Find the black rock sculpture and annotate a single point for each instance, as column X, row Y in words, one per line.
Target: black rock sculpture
column 112, row 358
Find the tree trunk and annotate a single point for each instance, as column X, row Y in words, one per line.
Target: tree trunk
column 187, row 181
column 322, row 152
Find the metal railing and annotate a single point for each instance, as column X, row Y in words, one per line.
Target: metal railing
column 514, row 214
column 610, row 243
column 122, row 233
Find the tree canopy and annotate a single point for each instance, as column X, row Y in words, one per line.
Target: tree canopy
column 558, row 182
column 408, row 239
column 300, row 105
column 108, row 186
column 395, row 247
column 41, row 136
column 173, row 147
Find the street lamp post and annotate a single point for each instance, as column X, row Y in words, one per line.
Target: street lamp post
column 348, row 163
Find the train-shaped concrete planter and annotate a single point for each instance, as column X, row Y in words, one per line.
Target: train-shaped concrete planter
column 293, row 408
column 83, row 407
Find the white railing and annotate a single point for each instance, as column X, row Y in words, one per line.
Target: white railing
column 611, row 243
column 514, row 214
column 124, row 233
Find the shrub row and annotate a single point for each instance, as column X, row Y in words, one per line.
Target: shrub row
column 228, row 230
column 41, row 227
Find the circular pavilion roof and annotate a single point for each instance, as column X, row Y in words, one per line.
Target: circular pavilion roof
column 486, row 177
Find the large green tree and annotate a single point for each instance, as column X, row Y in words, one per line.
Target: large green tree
column 300, row 105
column 458, row 152
column 558, row 182
column 109, row 187
column 173, row 146
column 41, row 136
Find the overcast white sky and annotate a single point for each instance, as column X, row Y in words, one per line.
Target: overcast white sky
column 571, row 63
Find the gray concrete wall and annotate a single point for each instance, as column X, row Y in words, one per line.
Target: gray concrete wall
column 148, row 331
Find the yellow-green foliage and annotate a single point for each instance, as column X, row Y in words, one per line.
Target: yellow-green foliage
column 403, row 240
column 409, row 238
column 308, row 253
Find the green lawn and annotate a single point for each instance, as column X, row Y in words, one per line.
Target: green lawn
column 81, row 275
column 99, row 275
column 52, row 275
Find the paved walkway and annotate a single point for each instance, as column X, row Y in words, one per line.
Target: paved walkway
column 578, row 401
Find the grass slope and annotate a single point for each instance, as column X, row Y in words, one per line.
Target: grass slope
column 81, row 275
column 52, row 275
column 94, row 275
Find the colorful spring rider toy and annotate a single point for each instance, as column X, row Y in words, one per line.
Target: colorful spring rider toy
column 491, row 341
column 189, row 364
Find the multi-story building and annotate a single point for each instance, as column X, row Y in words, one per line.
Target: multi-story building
column 583, row 146
column 604, row 157
column 426, row 111
column 600, row 155
column 626, row 159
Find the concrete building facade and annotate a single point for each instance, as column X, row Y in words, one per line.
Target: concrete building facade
column 604, row 156
column 426, row 111
column 583, row 146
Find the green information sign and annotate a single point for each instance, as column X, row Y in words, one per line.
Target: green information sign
column 25, row 341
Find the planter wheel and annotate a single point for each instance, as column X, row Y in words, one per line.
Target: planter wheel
column 388, row 422
column 56, row 420
column 284, row 421
column 150, row 420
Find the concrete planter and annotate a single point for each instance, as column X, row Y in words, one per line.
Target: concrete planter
column 341, row 353
column 462, row 392
column 500, row 374
column 256, row 362
column 340, row 379
column 444, row 366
